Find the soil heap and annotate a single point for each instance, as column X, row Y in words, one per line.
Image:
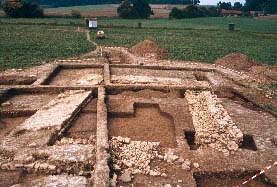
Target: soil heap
column 263, row 74
column 236, row 61
column 148, row 48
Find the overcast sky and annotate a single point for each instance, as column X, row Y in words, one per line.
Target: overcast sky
column 214, row 2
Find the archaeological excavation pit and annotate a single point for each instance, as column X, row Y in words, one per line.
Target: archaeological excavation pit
column 147, row 123
column 224, row 179
column 17, row 80
column 75, row 76
column 146, row 75
column 84, row 125
column 247, row 142
column 20, row 100
column 128, row 121
column 7, row 124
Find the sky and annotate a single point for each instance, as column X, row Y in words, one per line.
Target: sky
column 214, row 2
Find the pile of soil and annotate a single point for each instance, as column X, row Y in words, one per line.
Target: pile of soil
column 263, row 74
column 236, row 61
column 269, row 72
column 148, row 48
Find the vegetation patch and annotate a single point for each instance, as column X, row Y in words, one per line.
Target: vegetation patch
column 196, row 45
column 25, row 45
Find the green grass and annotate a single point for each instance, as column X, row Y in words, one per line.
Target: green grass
column 23, row 45
column 216, row 23
column 26, row 42
column 198, row 45
column 80, row 8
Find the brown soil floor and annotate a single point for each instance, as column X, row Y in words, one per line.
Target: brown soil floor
column 91, row 106
column 148, row 124
column 28, row 101
column 83, row 127
column 67, row 77
column 17, row 80
column 147, row 94
column 9, row 124
column 9, row 178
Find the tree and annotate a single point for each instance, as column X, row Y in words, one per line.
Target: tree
column 237, row 6
column 20, row 8
column 139, row 9
column 213, row 11
column 13, row 8
column 258, row 5
column 271, row 8
column 223, row 5
column 176, row 13
column 193, row 11
column 142, row 9
column 125, row 10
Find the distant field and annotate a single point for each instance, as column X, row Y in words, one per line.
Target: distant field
column 81, row 8
column 108, row 10
column 201, row 39
column 23, row 45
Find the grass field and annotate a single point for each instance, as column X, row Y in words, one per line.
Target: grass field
column 23, row 45
column 216, row 23
column 197, row 45
column 201, row 39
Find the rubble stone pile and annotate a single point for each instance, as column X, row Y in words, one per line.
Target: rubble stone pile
column 133, row 156
column 66, row 141
column 213, row 125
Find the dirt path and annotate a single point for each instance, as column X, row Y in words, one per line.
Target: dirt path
column 89, row 38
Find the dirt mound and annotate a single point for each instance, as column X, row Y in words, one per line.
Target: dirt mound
column 236, row 61
column 263, row 74
column 148, row 48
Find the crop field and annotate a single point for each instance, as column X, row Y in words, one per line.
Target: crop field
column 197, row 45
column 23, row 45
column 216, row 23
column 28, row 42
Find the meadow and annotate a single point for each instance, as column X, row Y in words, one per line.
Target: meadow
column 197, row 45
column 24, row 45
column 212, row 23
column 26, row 42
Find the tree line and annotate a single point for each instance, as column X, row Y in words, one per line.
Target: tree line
column 138, row 8
column 62, row 3
column 269, row 6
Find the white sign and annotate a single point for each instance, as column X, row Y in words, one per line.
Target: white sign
column 90, row 23
column 94, row 24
